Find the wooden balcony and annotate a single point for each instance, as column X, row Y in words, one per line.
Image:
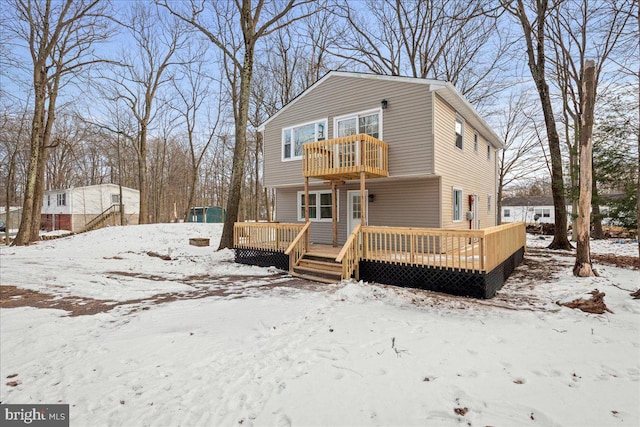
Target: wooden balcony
column 346, row 158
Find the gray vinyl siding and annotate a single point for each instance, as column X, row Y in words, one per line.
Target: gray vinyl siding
column 464, row 169
column 399, row 203
column 406, row 123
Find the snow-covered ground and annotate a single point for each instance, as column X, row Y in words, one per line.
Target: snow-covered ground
column 276, row 354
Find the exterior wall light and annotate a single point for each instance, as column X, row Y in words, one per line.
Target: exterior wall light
column 384, row 103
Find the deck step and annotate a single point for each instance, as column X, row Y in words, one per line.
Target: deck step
column 317, row 272
column 321, row 265
column 314, row 278
column 319, row 256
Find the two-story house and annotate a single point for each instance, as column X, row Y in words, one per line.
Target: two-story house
column 371, row 165
column 442, row 159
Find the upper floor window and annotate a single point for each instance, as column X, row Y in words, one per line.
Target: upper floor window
column 115, row 199
column 62, row 199
column 507, row 213
column 48, row 199
column 475, row 142
column 488, row 152
column 459, row 130
column 457, row 204
column 293, row 138
column 488, row 203
column 368, row 122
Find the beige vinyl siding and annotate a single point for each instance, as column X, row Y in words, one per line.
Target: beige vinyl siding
column 465, row 169
column 406, row 123
column 400, row 203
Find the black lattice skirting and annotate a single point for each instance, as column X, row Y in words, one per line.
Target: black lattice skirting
column 447, row 280
column 262, row 258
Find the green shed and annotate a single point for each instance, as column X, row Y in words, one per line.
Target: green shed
column 209, row 214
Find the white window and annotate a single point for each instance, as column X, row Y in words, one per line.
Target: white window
column 320, row 208
column 488, row 152
column 293, row 138
column 457, row 204
column 369, row 122
column 48, row 199
column 488, row 203
column 62, row 199
column 507, row 213
column 115, row 199
column 459, row 131
column 475, row 142
column 543, row 213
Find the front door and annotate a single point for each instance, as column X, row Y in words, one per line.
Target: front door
column 355, row 209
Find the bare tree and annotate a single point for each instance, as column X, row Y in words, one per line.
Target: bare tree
column 193, row 89
column 220, row 25
column 14, row 129
column 580, row 29
column 534, row 32
column 59, row 36
column 144, row 71
column 452, row 41
column 519, row 159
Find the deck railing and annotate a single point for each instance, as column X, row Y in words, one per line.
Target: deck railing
column 470, row 250
column 298, row 246
column 349, row 256
column 264, row 235
column 501, row 242
column 346, row 156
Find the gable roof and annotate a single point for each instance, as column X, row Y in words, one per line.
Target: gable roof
column 90, row 188
column 445, row 89
column 528, row 201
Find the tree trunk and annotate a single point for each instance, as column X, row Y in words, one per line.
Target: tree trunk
column 582, row 266
column 37, row 128
column 560, row 238
column 240, row 149
column 143, row 217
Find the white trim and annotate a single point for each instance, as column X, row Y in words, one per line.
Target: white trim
column 314, row 122
column 459, row 119
column 350, row 193
column 369, row 112
column 318, row 205
column 453, row 204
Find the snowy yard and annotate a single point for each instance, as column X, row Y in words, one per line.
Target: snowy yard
column 195, row 339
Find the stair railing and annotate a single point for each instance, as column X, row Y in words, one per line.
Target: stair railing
column 349, row 256
column 298, row 246
column 102, row 217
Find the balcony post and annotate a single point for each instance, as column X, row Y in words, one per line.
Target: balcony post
column 306, row 210
column 363, row 199
column 334, row 213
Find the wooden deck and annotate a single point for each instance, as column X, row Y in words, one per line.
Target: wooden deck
column 324, row 250
column 467, row 250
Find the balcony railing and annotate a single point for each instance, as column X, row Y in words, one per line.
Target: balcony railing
column 346, row 157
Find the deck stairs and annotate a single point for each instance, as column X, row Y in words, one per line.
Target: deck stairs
column 319, row 267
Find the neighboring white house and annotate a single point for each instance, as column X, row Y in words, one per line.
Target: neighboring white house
column 529, row 209
column 539, row 209
column 75, row 208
